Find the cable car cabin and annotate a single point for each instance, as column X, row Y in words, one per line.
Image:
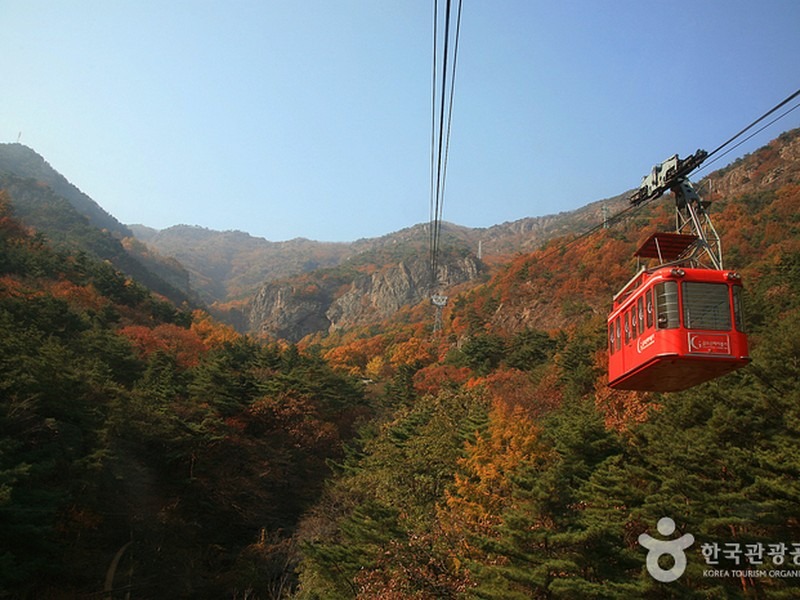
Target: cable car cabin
column 672, row 328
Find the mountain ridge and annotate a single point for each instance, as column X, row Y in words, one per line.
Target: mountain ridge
column 253, row 283
column 232, row 265
column 377, row 459
column 45, row 200
column 26, row 163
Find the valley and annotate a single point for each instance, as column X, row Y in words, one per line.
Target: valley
column 218, row 415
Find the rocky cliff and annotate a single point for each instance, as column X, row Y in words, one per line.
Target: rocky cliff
column 292, row 309
column 769, row 167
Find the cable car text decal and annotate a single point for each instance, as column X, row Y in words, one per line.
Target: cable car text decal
column 709, row 343
column 643, row 344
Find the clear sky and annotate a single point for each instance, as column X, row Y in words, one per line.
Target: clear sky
column 313, row 119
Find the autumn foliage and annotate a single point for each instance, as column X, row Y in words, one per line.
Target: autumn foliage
column 184, row 345
column 487, row 459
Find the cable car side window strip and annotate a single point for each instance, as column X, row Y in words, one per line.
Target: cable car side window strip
column 640, row 311
column 738, row 308
column 627, row 327
column 667, row 314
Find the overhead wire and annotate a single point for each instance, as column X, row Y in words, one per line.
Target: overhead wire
column 441, row 123
column 636, row 207
column 708, row 163
column 756, row 122
column 434, row 69
column 437, row 142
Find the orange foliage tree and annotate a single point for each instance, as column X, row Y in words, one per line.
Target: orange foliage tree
column 82, row 296
column 415, row 351
column 183, row 344
column 483, row 484
column 212, row 333
column 431, row 379
column 511, row 388
column 355, row 356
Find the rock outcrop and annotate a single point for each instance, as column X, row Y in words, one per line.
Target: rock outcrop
column 291, row 310
column 287, row 311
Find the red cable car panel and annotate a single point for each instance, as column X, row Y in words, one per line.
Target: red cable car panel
column 673, row 328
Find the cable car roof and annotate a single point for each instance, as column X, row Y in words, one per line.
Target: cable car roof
column 665, row 246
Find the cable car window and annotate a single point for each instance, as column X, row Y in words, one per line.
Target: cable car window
column 611, row 338
column 627, row 327
column 649, row 303
column 640, row 310
column 667, row 315
column 634, row 331
column 738, row 310
column 706, row 306
column 617, row 331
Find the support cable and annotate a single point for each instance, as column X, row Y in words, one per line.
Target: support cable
column 441, row 123
column 437, row 223
column 433, row 211
column 756, row 122
column 752, row 135
column 633, row 208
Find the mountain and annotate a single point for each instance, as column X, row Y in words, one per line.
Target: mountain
column 27, row 164
column 231, row 266
column 506, row 468
column 384, row 275
column 348, row 296
column 226, row 266
column 262, row 286
column 303, row 287
column 166, row 455
column 44, row 200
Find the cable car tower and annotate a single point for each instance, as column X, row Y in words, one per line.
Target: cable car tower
column 439, row 301
column 678, row 323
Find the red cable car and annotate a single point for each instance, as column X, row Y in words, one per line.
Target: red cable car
column 671, row 327
column 679, row 323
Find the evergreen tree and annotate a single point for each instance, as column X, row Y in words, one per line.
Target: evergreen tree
column 540, row 547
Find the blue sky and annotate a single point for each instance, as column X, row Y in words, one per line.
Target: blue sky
column 312, row 119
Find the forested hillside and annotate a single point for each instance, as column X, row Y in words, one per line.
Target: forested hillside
column 150, row 451
column 24, row 163
column 231, row 269
column 507, row 469
column 43, row 199
column 228, row 266
column 129, row 428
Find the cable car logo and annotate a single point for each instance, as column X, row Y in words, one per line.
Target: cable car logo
column 709, row 343
column 643, row 344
